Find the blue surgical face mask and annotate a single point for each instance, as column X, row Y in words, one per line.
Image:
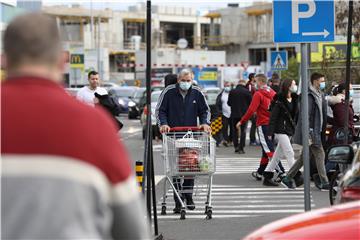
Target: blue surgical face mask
column 322, row 85
column 351, row 93
column 185, row 85
column 227, row 89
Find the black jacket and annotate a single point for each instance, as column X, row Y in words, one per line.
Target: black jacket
column 174, row 110
column 112, row 106
column 239, row 101
column 282, row 119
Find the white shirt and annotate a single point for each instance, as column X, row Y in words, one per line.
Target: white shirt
column 226, row 110
column 86, row 95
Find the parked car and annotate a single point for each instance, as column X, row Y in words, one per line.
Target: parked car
column 109, row 85
column 336, row 223
column 345, row 184
column 135, row 103
column 211, row 95
column 142, row 101
column 124, row 96
column 154, row 99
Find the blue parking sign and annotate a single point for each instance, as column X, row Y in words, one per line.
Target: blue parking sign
column 304, row 21
column 279, row 60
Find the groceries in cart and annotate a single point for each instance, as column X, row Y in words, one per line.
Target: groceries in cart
column 188, row 153
column 188, row 160
column 190, row 157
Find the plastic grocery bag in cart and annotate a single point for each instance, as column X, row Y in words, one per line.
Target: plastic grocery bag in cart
column 189, row 150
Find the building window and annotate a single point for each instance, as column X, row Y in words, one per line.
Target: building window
column 117, row 61
column 172, row 32
column 257, row 55
column 133, row 28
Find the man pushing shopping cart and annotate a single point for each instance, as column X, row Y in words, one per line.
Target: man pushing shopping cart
column 181, row 105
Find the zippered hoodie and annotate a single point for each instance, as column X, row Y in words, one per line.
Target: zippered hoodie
column 260, row 105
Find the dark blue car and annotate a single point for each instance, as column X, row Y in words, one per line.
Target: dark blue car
column 124, row 96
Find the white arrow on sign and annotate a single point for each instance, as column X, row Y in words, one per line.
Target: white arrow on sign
column 325, row 33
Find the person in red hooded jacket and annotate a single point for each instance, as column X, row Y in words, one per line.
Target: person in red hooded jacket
column 260, row 105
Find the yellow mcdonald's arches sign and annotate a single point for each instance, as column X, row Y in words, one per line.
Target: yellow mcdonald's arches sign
column 333, row 51
column 77, row 60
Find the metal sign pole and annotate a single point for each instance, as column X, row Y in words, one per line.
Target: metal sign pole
column 348, row 70
column 150, row 180
column 277, row 49
column 148, row 105
column 305, row 124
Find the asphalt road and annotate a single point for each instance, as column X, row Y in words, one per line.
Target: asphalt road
column 240, row 204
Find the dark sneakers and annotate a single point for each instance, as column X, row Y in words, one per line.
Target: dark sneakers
column 190, row 203
column 177, row 210
column 324, row 187
column 241, row 151
column 268, row 179
column 288, row 183
column 299, row 179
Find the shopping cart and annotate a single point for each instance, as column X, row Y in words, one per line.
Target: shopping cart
column 188, row 152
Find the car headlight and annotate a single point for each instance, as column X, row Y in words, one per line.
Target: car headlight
column 131, row 104
column 121, row 102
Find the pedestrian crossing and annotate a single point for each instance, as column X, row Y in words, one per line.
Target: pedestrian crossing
column 226, row 165
column 239, row 201
column 231, row 201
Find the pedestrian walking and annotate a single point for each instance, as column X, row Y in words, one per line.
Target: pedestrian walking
column 181, row 105
column 338, row 106
column 260, row 105
column 284, row 112
column 275, row 82
column 224, row 109
column 65, row 174
column 170, row 79
column 251, row 86
column 239, row 101
column 317, row 125
column 87, row 93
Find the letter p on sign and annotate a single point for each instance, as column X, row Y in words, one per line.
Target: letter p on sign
column 296, row 14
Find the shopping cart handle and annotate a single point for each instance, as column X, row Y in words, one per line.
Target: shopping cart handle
column 184, row 129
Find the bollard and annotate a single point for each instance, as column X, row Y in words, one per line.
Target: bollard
column 139, row 168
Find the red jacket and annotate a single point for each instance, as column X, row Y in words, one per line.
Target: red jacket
column 260, row 105
column 69, row 161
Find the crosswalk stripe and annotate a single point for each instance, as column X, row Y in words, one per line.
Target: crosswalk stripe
column 218, row 207
column 239, row 201
column 176, row 217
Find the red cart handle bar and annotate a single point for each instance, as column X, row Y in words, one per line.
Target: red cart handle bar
column 184, row 129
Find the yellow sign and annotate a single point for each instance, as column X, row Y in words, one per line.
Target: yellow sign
column 208, row 76
column 77, row 60
column 216, row 125
column 333, row 51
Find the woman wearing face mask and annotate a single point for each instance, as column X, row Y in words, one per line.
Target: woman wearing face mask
column 338, row 106
column 284, row 111
column 224, row 109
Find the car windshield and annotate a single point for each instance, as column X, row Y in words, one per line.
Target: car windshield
column 123, row 92
column 139, row 93
column 211, row 96
column 155, row 96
